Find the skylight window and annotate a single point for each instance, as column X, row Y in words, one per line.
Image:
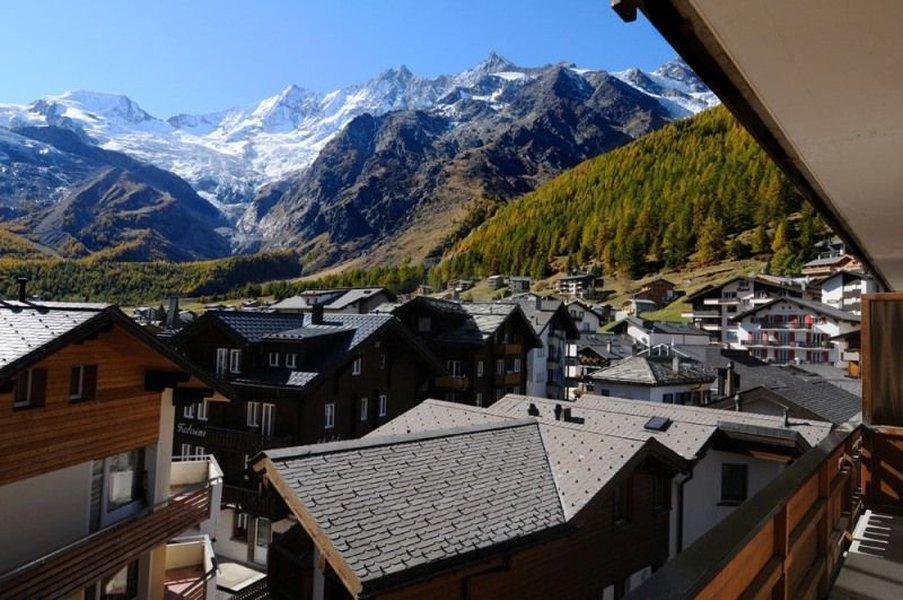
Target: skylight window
column 657, row 424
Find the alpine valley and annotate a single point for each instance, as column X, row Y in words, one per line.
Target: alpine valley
column 370, row 174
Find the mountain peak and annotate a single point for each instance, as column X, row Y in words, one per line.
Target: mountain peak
column 495, row 63
column 401, row 73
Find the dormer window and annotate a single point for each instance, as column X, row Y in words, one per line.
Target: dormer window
column 274, row 359
column 291, row 360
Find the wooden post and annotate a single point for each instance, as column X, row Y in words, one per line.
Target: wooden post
column 825, row 525
column 782, row 550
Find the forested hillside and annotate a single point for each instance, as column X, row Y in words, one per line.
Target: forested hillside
column 679, row 194
column 132, row 283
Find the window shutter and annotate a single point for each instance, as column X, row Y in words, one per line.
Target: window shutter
column 38, row 386
column 89, row 386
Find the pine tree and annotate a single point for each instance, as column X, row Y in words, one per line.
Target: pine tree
column 710, row 244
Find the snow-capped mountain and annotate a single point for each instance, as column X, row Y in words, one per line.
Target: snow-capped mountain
column 228, row 155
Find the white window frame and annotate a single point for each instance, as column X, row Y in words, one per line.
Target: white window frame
column 365, row 408
column 202, row 410
column 267, row 418
column 274, row 359
column 478, row 399
column 500, row 366
column 291, row 360
column 186, row 450
column 479, row 368
column 200, row 452
column 517, row 364
column 235, row 360
column 383, row 405
column 329, row 415
column 188, row 411
column 222, row 360
column 252, row 414
column 357, row 365
column 81, row 383
column 454, row 368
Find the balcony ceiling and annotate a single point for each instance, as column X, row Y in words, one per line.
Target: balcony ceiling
column 820, row 85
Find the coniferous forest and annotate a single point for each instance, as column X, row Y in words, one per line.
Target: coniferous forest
column 679, row 194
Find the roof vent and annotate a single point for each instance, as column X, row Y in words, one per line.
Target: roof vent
column 532, row 410
column 571, row 418
column 658, row 424
column 23, row 280
column 558, row 411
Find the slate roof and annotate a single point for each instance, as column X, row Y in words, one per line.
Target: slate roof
column 354, row 295
column 621, row 345
column 828, row 260
column 25, row 327
column 391, row 504
column 666, row 327
column 817, row 307
column 652, row 370
column 541, row 316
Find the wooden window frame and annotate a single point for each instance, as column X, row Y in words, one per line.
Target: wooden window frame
column 202, row 411
column 365, row 409
column 274, row 359
column 357, row 366
column 267, row 424
column 235, row 360
column 252, row 413
column 329, row 415
column 383, row 407
column 222, row 361
column 291, row 360
column 33, row 394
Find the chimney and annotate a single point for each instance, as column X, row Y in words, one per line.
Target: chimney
column 738, row 405
column 608, row 346
column 567, row 414
column 316, row 313
column 729, row 388
column 533, row 411
column 172, row 314
column 558, row 411
column 675, row 362
column 538, row 302
column 23, row 280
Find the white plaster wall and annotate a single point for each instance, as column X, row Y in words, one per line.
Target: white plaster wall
column 537, row 367
column 43, row 513
column 223, row 543
column 643, row 392
column 703, row 493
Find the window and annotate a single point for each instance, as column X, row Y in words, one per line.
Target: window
column 454, row 368
column 365, row 405
column 202, row 408
column 31, row 388
column 274, row 359
column 253, row 414
column 200, row 452
column 263, row 532
column 668, row 398
column 424, row 324
column 382, row 361
column 478, row 400
column 604, row 392
column 268, row 419
column 240, row 527
column 82, row 382
column 517, row 365
column 291, row 360
column 330, row 416
column 186, row 450
column 222, row 357
column 622, row 502
column 479, row 368
column 188, row 411
column 122, row 585
column 235, row 361
column 126, row 479
column 383, row 405
column 500, row 366
column 733, row 483
column 356, row 365
column 661, row 494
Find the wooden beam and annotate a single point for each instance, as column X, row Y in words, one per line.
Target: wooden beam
column 157, row 381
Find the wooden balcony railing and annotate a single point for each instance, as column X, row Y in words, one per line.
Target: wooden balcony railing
column 265, row 504
column 452, row 383
column 104, row 552
column 246, row 442
column 508, row 348
column 788, row 540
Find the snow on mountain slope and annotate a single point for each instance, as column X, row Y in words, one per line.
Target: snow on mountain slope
column 228, row 155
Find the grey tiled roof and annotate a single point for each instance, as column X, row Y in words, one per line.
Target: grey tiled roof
column 351, row 296
column 812, row 305
column 25, row 327
column 648, row 370
column 392, row 504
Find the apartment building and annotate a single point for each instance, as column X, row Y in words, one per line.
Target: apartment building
column 93, row 503
column 484, row 346
column 579, row 285
column 659, row 290
column 714, row 307
column 669, row 378
column 646, row 333
column 299, row 378
column 587, row 318
column 844, row 290
column 788, row 330
column 550, row 372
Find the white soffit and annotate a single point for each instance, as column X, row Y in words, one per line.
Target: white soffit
column 830, row 74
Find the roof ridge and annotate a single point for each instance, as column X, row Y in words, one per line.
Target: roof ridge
column 389, row 440
column 552, row 472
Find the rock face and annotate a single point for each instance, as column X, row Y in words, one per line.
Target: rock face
column 78, row 199
column 382, row 174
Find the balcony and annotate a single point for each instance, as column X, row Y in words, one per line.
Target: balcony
column 191, row 569
column 190, row 472
column 74, row 566
column 509, row 378
column 452, row 382
column 789, row 541
column 508, row 348
column 242, row 442
column 702, row 314
column 265, row 503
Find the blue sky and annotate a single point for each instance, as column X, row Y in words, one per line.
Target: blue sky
column 198, row 55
